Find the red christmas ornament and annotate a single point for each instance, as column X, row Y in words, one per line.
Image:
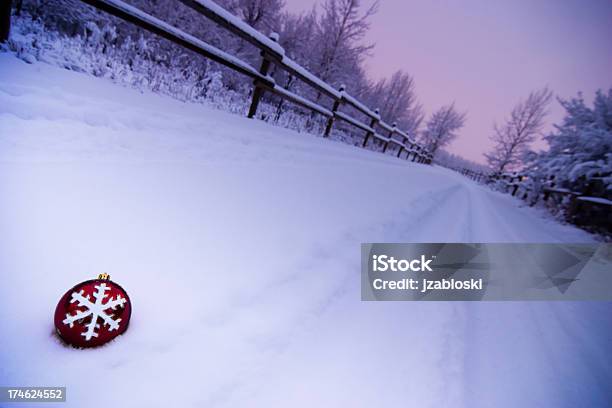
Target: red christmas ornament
column 93, row 313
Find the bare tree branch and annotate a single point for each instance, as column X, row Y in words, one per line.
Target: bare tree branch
column 513, row 138
column 441, row 128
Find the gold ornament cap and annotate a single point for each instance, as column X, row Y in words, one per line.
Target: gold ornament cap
column 104, row 276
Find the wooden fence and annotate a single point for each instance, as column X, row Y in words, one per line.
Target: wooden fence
column 388, row 136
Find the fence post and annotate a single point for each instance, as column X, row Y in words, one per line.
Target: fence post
column 401, row 149
column 263, row 70
column 548, row 185
column 390, row 135
column 516, row 186
column 335, row 107
column 5, row 20
column 373, row 123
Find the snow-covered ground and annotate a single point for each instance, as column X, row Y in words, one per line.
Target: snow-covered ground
column 239, row 245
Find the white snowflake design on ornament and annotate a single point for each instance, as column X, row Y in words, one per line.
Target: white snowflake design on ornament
column 96, row 310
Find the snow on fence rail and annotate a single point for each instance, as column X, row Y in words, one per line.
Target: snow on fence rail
column 271, row 53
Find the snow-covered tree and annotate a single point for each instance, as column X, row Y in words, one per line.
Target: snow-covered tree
column 442, row 127
column 580, row 148
column 396, row 98
column 339, row 40
column 263, row 15
column 296, row 34
column 513, row 138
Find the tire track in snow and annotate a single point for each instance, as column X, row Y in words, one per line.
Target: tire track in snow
column 540, row 340
column 320, row 264
column 502, row 218
column 332, row 282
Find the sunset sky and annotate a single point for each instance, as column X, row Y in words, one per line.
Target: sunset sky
column 487, row 55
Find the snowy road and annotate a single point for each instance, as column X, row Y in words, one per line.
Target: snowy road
column 239, row 245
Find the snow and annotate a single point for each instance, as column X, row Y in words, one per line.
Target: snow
column 597, row 200
column 251, row 234
column 554, row 189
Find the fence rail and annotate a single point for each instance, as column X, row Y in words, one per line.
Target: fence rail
column 272, row 54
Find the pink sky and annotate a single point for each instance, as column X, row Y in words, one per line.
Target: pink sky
column 487, row 55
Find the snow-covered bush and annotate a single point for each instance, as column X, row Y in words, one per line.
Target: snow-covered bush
column 579, row 157
column 580, row 148
column 328, row 42
column 98, row 49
